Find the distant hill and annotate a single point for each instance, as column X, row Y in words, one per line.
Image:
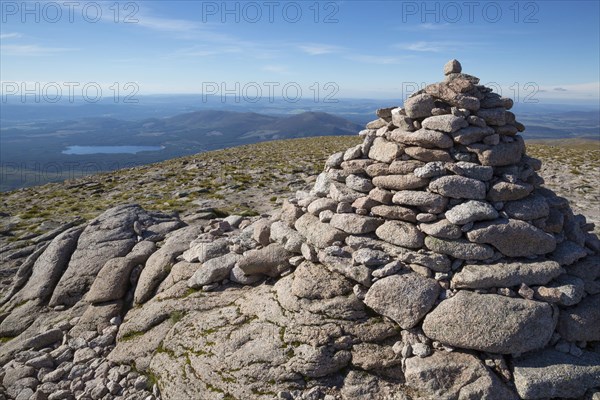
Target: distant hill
column 31, row 153
column 304, row 125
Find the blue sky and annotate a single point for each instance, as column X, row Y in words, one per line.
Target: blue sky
column 367, row 49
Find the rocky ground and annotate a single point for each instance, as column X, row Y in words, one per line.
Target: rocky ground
column 247, row 180
column 191, row 335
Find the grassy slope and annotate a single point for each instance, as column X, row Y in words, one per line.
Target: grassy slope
column 235, row 180
column 242, row 179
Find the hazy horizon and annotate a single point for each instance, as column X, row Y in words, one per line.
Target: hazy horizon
column 329, row 49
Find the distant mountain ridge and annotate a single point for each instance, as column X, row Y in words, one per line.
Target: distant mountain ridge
column 33, row 145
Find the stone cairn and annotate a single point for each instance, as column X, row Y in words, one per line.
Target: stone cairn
column 440, row 219
column 427, row 262
column 441, row 203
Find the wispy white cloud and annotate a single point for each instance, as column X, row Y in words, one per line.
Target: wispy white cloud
column 206, row 51
column 378, row 59
column 588, row 86
column 10, row 35
column 315, row 49
column 429, row 26
column 208, row 39
column 572, row 89
column 166, row 24
column 32, row 50
column 423, row 46
column 139, row 17
column 424, row 27
column 531, row 90
column 276, row 69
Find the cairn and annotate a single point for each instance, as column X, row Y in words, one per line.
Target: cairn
column 428, row 262
column 441, row 220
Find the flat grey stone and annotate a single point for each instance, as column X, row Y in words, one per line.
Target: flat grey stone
column 401, row 233
column 442, row 229
column 404, row 298
column 317, row 233
column 501, row 154
column 419, row 106
column 401, row 120
column 402, row 167
column 214, row 270
column 343, row 194
column 335, row 160
column 430, row 170
column 400, row 182
column 472, row 134
column 433, row 261
column 505, row 191
column 513, row 238
column 471, row 170
column 204, row 251
column 445, row 123
column 355, row 224
column 459, row 248
column 159, row 264
column 289, row 238
column 271, row 260
column 425, row 201
column 428, row 155
column 587, row 269
column 492, row 323
column 370, row 257
column 322, row 184
column 566, row 290
column 458, row 187
column 261, row 231
column 112, row 282
column 527, row 209
column 506, row 274
column 581, row 322
column 426, row 138
column 568, row 252
column 358, row 183
column 384, row 151
column 493, row 116
column 321, row 205
column 108, row 236
column 356, row 167
column 238, row 276
column 552, row 374
column 455, row 375
column 395, row 212
column 471, row 211
column 346, row 267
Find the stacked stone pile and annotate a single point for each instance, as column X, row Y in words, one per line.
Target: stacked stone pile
column 440, row 219
column 428, row 262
